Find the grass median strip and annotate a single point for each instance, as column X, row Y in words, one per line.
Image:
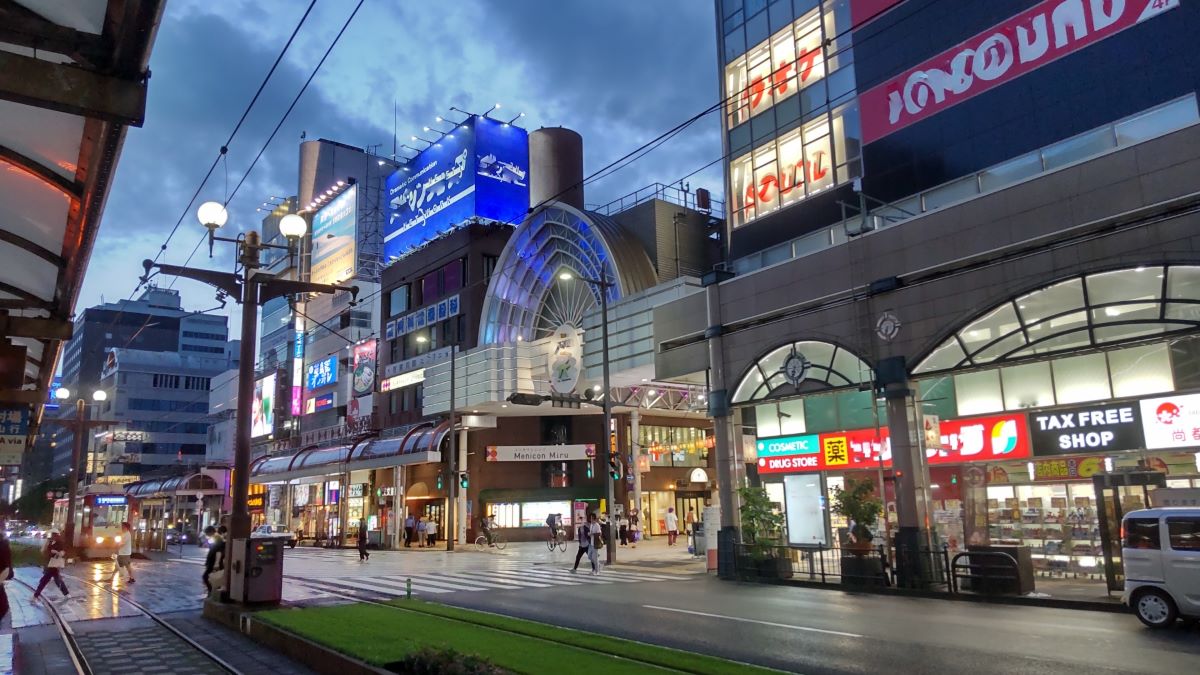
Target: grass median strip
column 381, row 635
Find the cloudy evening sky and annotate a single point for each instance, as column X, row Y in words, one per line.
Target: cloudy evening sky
column 620, row 72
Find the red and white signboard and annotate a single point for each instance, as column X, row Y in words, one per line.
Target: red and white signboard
column 1044, row 33
column 982, row 439
column 1171, row 421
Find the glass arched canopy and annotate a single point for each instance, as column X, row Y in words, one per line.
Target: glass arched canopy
column 1086, row 311
column 830, row 366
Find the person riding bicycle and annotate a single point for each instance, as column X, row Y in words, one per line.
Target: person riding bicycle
column 486, row 524
column 552, row 521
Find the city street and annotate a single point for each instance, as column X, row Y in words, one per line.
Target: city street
column 664, row 598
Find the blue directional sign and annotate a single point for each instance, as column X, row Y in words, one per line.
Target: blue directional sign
column 321, row 373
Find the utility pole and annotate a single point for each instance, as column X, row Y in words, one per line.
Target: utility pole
column 81, row 427
column 250, row 288
column 452, row 465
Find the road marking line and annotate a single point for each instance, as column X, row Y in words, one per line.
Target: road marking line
column 428, row 581
column 346, row 583
column 764, row 623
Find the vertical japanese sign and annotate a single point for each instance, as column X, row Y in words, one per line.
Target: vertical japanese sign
column 14, row 427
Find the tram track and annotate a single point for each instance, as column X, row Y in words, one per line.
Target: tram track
column 86, row 663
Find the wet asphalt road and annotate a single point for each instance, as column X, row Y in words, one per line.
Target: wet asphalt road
column 820, row 631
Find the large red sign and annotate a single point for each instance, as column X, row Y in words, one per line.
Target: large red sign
column 1042, row 34
column 980, row 439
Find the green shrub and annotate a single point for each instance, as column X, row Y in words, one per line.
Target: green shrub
column 430, row 661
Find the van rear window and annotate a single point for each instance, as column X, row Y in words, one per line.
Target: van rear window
column 1142, row 533
column 1184, row 533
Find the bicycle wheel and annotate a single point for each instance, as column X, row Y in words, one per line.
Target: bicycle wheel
column 500, row 542
column 550, row 543
column 480, row 543
column 562, row 545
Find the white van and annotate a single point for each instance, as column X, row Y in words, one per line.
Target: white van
column 1160, row 549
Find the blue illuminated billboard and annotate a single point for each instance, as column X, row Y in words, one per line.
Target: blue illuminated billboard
column 334, row 244
column 481, row 169
column 321, row 373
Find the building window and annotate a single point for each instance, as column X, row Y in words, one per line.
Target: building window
column 398, row 300
column 489, row 266
column 452, row 276
column 431, row 288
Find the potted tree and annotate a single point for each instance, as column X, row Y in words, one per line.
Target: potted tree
column 762, row 526
column 859, row 505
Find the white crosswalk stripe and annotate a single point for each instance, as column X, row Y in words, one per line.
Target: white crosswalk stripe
column 517, row 577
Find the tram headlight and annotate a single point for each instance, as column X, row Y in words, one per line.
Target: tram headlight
column 99, row 540
column 118, row 539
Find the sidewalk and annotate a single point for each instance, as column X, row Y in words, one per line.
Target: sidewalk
column 649, row 554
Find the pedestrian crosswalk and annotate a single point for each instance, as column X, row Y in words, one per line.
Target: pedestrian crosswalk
column 503, row 578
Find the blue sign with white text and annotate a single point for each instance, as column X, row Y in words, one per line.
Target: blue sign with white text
column 481, row 169
column 321, row 373
column 788, row 445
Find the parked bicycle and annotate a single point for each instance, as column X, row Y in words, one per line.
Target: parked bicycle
column 481, row 542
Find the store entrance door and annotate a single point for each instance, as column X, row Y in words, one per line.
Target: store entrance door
column 685, row 502
column 1116, row 495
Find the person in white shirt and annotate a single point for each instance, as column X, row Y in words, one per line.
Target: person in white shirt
column 431, row 532
column 672, row 527
column 124, row 553
column 594, row 534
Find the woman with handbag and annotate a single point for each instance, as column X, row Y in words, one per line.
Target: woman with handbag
column 56, row 559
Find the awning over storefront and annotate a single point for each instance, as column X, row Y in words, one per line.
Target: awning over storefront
column 420, row 445
column 196, row 484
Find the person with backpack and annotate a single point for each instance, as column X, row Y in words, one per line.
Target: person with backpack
column 216, row 556
column 124, row 553
column 587, row 535
column 55, row 553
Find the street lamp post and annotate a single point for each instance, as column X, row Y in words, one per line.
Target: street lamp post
column 251, row 288
column 81, row 426
column 603, row 284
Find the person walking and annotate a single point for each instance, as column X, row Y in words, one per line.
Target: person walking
column 124, row 554
column 214, row 560
column 431, row 529
column 689, row 521
column 623, row 529
column 55, row 552
column 422, row 532
column 583, row 536
column 363, row 555
column 672, row 526
column 634, row 528
column 409, row 524
column 6, row 570
column 599, row 538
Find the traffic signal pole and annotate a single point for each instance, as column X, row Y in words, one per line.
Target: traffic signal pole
column 452, row 464
column 609, row 482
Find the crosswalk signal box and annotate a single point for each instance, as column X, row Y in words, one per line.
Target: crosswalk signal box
column 257, row 573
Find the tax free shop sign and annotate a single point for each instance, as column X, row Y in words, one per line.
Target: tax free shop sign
column 1101, row 428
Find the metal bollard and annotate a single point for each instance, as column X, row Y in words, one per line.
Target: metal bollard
column 408, row 589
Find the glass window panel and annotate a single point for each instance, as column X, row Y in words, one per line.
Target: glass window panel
column 777, row 254
column 1183, row 311
column 730, row 7
column 1053, row 326
column 851, row 367
column 1183, row 282
column 813, row 98
column 1142, row 311
column 751, row 382
column 783, row 66
column 735, row 93
column 773, row 362
column 997, row 323
column 1080, row 378
column 841, row 82
column 818, row 156
column 855, row 409
column 978, row 393
column 846, row 136
column 1119, row 333
column 739, row 139
column 999, row 349
column 792, row 173
column 741, row 179
column 754, row 6
column 937, row 397
column 735, row 43
column 1080, row 147
column 946, row 356
column 810, row 52
column 763, row 126
column 780, row 14
column 1168, row 118
column 791, row 417
column 802, row 6
column 1010, row 172
column 788, row 111
column 766, row 419
column 820, row 414
column 1145, row 369
column 757, row 94
column 951, row 192
column 1183, row 533
column 757, row 27
column 1142, row 283
column 1059, row 343
column 1027, row 386
column 810, row 243
column 1056, row 299
column 820, row 354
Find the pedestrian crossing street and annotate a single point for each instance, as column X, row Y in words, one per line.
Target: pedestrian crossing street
column 501, row 578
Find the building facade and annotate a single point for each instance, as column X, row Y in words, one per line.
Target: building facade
column 999, row 309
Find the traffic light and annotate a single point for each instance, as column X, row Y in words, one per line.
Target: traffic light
column 439, row 482
column 590, row 470
column 463, row 480
column 614, row 468
column 525, row 399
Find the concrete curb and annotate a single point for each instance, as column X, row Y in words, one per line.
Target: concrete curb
column 300, row 649
column 1052, row 603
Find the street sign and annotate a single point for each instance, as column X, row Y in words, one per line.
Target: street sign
column 14, row 427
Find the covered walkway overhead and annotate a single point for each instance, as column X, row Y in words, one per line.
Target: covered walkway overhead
column 196, row 484
column 422, row 444
column 72, row 80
